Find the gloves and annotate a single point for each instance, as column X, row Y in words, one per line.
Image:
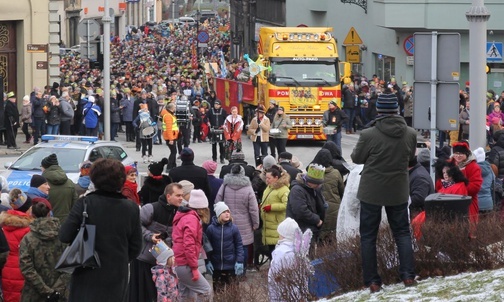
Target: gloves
column 238, row 269
column 53, row 297
column 209, row 268
column 195, row 275
column 267, row 208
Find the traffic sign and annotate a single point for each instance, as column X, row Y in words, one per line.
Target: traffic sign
column 409, row 45
column 36, row 48
column 352, row 53
column 203, row 36
column 494, row 52
column 88, row 29
column 352, row 37
column 447, row 105
column 41, row 64
column 448, row 57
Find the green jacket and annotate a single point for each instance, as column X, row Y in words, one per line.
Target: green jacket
column 332, row 190
column 62, row 194
column 275, row 195
column 39, row 251
column 385, row 150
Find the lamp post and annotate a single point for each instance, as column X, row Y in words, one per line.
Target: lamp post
column 106, row 70
column 173, row 11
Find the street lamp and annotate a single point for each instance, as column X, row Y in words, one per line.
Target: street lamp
column 173, row 11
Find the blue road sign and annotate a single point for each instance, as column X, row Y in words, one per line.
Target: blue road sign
column 203, row 36
column 494, row 52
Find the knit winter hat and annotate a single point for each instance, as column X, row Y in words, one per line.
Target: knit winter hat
column 220, row 208
column 210, row 166
column 287, row 228
column 462, row 147
column 285, row 155
column 423, row 156
column 42, row 200
column 91, row 99
column 198, row 200
column 19, row 201
column 156, row 168
column 51, row 160
column 315, row 174
column 237, row 155
column 479, row 154
column 162, row 252
column 187, row 186
column 268, row 162
column 187, row 155
column 37, row 180
column 85, row 168
column 130, row 169
column 387, row 104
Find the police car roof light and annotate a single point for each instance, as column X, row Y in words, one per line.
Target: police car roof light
column 75, row 138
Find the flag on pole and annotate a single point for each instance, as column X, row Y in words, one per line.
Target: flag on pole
column 223, row 65
column 194, row 58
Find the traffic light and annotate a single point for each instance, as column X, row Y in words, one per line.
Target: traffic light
column 488, row 69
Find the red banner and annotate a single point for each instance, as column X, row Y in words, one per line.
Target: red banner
column 194, row 59
column 232, row 93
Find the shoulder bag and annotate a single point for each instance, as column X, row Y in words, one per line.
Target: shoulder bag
column 81, row 253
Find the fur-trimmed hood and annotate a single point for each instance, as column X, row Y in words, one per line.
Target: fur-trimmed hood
column 283, row 180
column 15, row 219
column 236, row 181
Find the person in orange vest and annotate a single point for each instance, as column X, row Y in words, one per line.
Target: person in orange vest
column 170, row 132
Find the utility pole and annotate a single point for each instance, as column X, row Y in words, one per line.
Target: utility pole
column 106, row 70
column 477, row 16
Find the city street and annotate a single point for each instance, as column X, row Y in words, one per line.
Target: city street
column 304, row 150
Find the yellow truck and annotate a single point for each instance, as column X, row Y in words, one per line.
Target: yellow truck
column 304, row 76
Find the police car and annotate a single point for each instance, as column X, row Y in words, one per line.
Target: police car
column 71, row 152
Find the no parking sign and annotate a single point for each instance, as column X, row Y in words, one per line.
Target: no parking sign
column 409, row 45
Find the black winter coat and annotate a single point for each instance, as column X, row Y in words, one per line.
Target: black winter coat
column 11, row 116
column 118, row 241
column 226, row 243
column 249, row 170
column 196, row 175
column 420, row 185
column 305, row 206
column 153, row 188
column 496, row 155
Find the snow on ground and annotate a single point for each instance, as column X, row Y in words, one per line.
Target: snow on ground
column 481, row 287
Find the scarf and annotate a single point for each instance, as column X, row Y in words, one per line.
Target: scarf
column 36, row 192
column 447, row 183
column 133, row 186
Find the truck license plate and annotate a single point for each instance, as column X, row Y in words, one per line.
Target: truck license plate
column 305, row 136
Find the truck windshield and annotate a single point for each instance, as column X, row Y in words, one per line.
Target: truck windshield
column 306, row 74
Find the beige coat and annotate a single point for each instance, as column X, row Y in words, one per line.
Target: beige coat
column 265, row 128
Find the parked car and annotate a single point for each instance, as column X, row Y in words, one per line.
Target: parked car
column 71, row 152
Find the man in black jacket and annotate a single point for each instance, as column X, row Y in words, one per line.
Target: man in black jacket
column 216, row 118
column 11, row 121
column 238, row 158
column 420, row 186
column 306, row 204
column 284, row 159
column 190, row 172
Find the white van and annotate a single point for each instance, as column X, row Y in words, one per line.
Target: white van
column 187, row 20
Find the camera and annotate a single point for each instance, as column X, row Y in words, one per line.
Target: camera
column 421, row 145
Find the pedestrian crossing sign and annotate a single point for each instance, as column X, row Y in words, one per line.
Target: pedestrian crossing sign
column 494, row 52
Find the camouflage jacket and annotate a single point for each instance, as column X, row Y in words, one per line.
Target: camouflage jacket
column 39, row 252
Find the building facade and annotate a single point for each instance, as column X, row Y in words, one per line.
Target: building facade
column 386, row 28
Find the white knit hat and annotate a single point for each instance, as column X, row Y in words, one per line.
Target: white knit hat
column 198, row 200
column 268, row 162
column 287, row 228
column 187, row 186
column 220, row 208
column 479, row 154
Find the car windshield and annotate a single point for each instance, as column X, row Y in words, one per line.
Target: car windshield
column 68, row 159
column 309, row 74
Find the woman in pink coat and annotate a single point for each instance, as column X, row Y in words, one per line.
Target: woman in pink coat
column 187, row 236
